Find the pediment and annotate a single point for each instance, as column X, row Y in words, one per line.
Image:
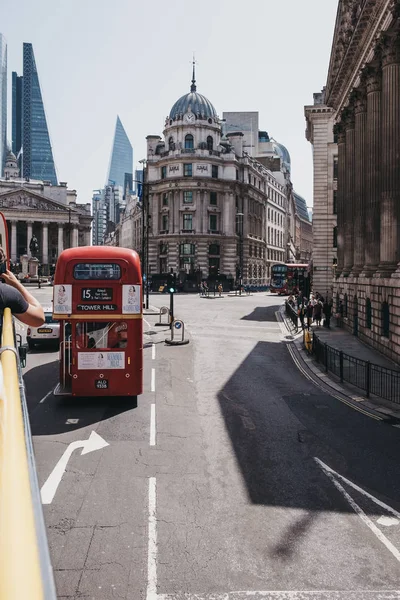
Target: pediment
column 23, row 199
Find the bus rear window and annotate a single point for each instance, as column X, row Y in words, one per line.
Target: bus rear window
column 97, row 271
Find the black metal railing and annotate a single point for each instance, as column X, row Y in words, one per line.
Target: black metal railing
column 369, row 377
column 291, row 313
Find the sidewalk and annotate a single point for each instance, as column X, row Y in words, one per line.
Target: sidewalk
column 343, row 340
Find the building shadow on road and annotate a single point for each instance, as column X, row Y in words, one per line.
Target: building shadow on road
column 262, row 313
column 51, row 415
column 278, row 422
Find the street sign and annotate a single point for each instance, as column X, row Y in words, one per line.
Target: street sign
column 178, row 324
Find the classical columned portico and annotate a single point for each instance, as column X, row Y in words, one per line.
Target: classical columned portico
column 29, row 229
column 373, row 77
column 14, row 241
column 45, row 244
column 390, row 197
column 75, row 236
column 341, row 192
column 60, row 244
column 360, row 139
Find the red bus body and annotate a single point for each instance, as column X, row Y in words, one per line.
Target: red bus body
column 288, row 278
column 97, row 298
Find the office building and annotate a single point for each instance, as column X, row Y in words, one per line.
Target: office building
column 3, row 102
column 121, row 162
column 31, row 139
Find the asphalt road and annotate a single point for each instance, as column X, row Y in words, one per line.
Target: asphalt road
column 232, row 477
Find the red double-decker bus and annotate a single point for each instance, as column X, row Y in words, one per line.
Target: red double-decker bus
column 97, row 298
column 289, row 278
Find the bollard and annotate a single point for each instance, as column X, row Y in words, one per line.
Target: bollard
column 177, row 326
column 164, row 310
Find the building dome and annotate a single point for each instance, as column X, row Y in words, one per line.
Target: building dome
column 197, row 103
column 11, row 156
column 282, row 152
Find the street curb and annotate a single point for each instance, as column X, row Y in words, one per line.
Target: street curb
column 306, row 364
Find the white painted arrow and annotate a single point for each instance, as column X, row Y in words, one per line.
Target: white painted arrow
column 95, row 442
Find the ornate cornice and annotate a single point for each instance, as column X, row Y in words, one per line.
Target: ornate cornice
column 358, row 25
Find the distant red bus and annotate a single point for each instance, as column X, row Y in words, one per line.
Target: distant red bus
column 97, row 298
column 288, row 278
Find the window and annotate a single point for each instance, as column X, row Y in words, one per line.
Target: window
column 345, row 307
column 165, row 200
column 186, row 264
column 171, row 145
column 213, row 266
column 250, row 250
column 187, row 249
column 163, row 172
column 368, row 314
column 214, row 171
column 213, row 249
column 213, row 222
column 187, row 197
column 335, row 167
column 334, row 202
column 189, row 141
column 163, row 248
column 210, row 143
column 213, row 198
column 97, row 271
column 101, row 335
column 164, row 223
column 268, row 215
column 335, row 237
column 385, row 318
column 187, row 170
column 48, row 317
column 237, row 175
column 188, row 222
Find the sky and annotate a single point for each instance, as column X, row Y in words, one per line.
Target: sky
column 97, row 59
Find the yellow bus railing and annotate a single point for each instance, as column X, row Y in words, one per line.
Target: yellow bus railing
column 25, row 570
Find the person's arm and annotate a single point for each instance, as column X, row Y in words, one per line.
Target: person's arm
column 34, row 315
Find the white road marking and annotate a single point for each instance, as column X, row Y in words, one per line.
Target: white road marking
column 147, row 323
column 358, row 489
column 359, row 511
column 153, row 380
column 152, row 425
column 46, row 396
column 153, row 352
column 95, row 442
column 294, row 595
column 387, row 521
column 152, row 544
column 71, row 421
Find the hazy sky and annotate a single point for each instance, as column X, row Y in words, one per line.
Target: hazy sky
column 98, row 58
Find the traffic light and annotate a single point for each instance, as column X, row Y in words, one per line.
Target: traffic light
column 171, row 283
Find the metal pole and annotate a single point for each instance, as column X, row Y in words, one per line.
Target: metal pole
column 147, row 250
column 241, row 253
column 69, row 228
column 171, row 308
column 143, row 220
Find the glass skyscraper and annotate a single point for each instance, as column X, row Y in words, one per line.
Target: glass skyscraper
column 121, row 163
column 3, row 102
column 29, row 128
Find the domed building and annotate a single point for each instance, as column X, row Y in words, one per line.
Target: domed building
column 207, row 201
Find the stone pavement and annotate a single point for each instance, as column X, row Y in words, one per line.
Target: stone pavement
column 343, row 340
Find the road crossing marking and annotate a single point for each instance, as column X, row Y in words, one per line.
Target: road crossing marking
column 333, row 476
column 152, row 425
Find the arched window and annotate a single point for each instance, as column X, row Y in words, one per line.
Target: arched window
column 368, row 314
column 385, row 319
column 189, row 142
column 171, row 145
column 210, row 143
column 213, row 249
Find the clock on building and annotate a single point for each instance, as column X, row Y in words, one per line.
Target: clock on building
column 189, row 117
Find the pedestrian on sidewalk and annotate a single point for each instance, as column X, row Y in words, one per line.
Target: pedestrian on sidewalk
column 317, row 312
column 220, row 290
column 328, row 313
column 301, row 314
column 309, row 312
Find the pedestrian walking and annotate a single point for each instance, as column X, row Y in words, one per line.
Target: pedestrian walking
column 317, row 312
column 309, row 313
column 301, row 314
column 220, row 290
column 328, row 313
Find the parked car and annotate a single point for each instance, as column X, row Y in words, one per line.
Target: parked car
column 46, row 334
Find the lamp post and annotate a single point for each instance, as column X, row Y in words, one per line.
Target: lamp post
column 239, row 217
column 145, row 231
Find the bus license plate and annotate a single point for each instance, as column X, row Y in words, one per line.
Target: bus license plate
column 101, row 384
column 44, row 330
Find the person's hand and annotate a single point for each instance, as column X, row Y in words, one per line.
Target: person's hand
column 10, row 278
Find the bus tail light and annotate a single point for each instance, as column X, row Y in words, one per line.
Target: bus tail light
column 29, row 331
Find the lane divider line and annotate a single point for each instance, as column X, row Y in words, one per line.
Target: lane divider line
column 46, row 396
column 153, row 380
column 152, row 543
column 153, row 351
column 152, row 424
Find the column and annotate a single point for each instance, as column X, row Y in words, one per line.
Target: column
column 75, row 238
column 373, row 76
column 390, row 197
column 14, row 241
column 45, row 246
column 360, row 140
column 29, row 225
column 348, row 116
column 87, row 234
column 60, row 245
column 341, row 193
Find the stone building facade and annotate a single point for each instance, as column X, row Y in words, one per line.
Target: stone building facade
column 214, row 210
column 363, row 88
column 50, row 213
column 320, row 121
